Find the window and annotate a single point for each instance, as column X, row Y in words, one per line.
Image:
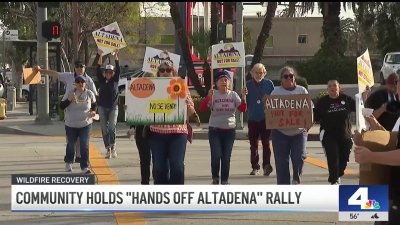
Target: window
column 302, row 39
column 270, row 42
column 168, row 39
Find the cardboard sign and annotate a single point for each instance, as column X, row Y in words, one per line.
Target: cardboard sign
column 109, row 38
column 30, row 77
column 156, row 100
column 288, row 111
column 228, row 55
column 154, row 57
column 364, row 72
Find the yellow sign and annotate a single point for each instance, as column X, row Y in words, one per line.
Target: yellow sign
column 166, row 106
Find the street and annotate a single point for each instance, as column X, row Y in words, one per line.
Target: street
column 30, row 148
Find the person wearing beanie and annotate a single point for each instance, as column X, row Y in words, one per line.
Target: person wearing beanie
column 223, row 103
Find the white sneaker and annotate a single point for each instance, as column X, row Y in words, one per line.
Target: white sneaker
column 68, row 167
column 113, row 153
column 108, row 154
column 86, row 171
column 255, row 172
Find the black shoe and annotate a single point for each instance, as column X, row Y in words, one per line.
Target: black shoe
column 215, row 181
column 77, row 159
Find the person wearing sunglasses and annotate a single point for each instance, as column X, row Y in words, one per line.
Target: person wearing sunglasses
column 289, row 143
column 68, row 78
column 108, row 102
column 80, row 106
column 333, row 113
column 258, row 88
column 168, row 142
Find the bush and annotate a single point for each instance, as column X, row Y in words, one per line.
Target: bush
column 322, row 68
column 319, row 95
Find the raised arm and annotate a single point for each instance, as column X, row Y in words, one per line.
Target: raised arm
column 51, row 73
column 99, row 73
column 117, row 68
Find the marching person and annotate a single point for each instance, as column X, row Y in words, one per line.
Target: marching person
column 258, row 87
column 80, row 106
column 289, row 143
column 221, row 131
column 108, row 102
column 333, row 113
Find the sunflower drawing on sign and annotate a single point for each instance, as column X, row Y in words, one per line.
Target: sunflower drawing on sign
column 177, row 89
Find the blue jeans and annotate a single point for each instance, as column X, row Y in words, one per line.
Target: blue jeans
column 72, row 134
column 286, row 147
column 168, row 149
column 108, row 121
column 221, row 144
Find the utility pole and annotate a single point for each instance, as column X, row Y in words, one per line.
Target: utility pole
column 240, row 70
column 43, row 62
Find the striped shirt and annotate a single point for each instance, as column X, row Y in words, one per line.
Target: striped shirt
column 173, row 128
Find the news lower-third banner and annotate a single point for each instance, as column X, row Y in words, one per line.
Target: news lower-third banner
column 37, row 193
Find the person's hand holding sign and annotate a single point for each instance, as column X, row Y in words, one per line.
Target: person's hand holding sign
column 244, row 92
column 211, row 92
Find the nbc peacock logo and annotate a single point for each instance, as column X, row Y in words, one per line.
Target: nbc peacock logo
column 372, row 204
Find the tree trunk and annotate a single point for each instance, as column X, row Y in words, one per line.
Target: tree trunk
column 214, row 24
column 263, row 36
column 333, row 43
column 183, row 39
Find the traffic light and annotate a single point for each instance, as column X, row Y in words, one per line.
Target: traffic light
column 51, row 29
column 48, row 4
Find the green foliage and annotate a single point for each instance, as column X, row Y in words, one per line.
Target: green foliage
column 318, row 96
column 200, row 40
column 322, row 68
column 248, row 41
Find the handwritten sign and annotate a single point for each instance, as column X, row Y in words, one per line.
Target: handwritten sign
column 228, row 55
column 154, row 57
column 156, row 100
column 30, row 77
column 109, row 38
column 288, row 111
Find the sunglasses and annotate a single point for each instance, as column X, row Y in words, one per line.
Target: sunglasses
column 79, row 66
column 79, row 82
column 162, row 70
column 287, row 76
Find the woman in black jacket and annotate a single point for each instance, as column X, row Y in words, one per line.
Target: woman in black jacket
column 333, row 113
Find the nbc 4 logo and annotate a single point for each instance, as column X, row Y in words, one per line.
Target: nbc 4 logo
column 360, row 197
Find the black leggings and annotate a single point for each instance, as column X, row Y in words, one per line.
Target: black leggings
column 144, row 155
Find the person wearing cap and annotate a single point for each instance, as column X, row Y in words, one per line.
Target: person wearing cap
column 108, row 102
column 258, row 87
column 80, row 106
column 289, row 144
column 68, row 78
column 223, row 104
column 168, row 142
column 382, row 101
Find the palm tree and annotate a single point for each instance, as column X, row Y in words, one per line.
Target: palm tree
column 263, row 36
column 201, row 43
column 183, row 40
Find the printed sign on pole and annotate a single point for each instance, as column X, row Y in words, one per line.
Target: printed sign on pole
column 154, row 57
column 157, row 100
column 109, row 38
column 288, row 111
column 227, row 55
column 364, row 72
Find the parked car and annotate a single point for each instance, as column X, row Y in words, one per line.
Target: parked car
column 391, row 63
